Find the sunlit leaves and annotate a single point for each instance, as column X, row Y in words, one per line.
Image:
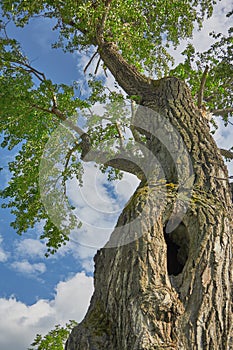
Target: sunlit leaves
column 26, row 120
column 219, row 82
column 142, row 29
column 55, row 339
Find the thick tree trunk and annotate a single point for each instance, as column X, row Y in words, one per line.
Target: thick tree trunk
column 167, row 290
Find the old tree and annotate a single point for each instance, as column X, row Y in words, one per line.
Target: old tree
column 164, row 279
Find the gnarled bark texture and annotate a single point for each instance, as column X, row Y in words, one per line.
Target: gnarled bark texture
column 165, row 290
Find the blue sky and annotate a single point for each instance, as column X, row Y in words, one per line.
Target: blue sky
column 41, row 291
column 36, row 293
column 36, row 41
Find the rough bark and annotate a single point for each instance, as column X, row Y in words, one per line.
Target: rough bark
column 165, row 290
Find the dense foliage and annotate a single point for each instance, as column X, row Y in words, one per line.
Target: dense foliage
column 32, row 106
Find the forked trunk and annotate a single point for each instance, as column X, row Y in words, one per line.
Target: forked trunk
column 156, row 289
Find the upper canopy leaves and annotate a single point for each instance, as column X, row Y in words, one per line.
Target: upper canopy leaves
column 32, row 106
column 142, row 29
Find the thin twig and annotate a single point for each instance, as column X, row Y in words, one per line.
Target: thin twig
column 202, row 87
column 121, row 137
column 90, row 61
column 68, row 156
column 97, row 66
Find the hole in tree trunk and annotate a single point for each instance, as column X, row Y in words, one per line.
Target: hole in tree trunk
column 177, row 249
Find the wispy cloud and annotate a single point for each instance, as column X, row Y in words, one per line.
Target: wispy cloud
column 3, row 253
column 27, row 268
column 32, row 248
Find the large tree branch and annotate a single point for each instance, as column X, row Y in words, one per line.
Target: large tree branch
column 122, row 161
column 61, row 116
column 127, row 76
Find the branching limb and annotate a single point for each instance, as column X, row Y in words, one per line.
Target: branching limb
column 28, row 68
column 226, row 153
column 100, row 29
column 202, row 87
column 221, row 112
column 122, row 161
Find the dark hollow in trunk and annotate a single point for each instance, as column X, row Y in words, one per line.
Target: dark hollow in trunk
column 177, row 249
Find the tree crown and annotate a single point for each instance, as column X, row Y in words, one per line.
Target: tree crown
column 33, row 107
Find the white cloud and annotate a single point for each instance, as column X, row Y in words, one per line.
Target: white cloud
column 125, row 188
column 88, row 264
column 201, row 39
column 28, row 268
column 19, row 323
column 98, row 205
column 31, row 248
column 72, row 297
column 223, row 138
column 3, row 254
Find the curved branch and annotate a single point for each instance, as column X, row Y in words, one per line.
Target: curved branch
column 127, row 76
column 122, row 161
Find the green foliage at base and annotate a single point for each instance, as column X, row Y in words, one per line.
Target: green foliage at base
column 55, row 339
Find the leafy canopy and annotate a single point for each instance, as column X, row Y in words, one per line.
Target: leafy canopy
column 32, row 107
column 142, row 29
